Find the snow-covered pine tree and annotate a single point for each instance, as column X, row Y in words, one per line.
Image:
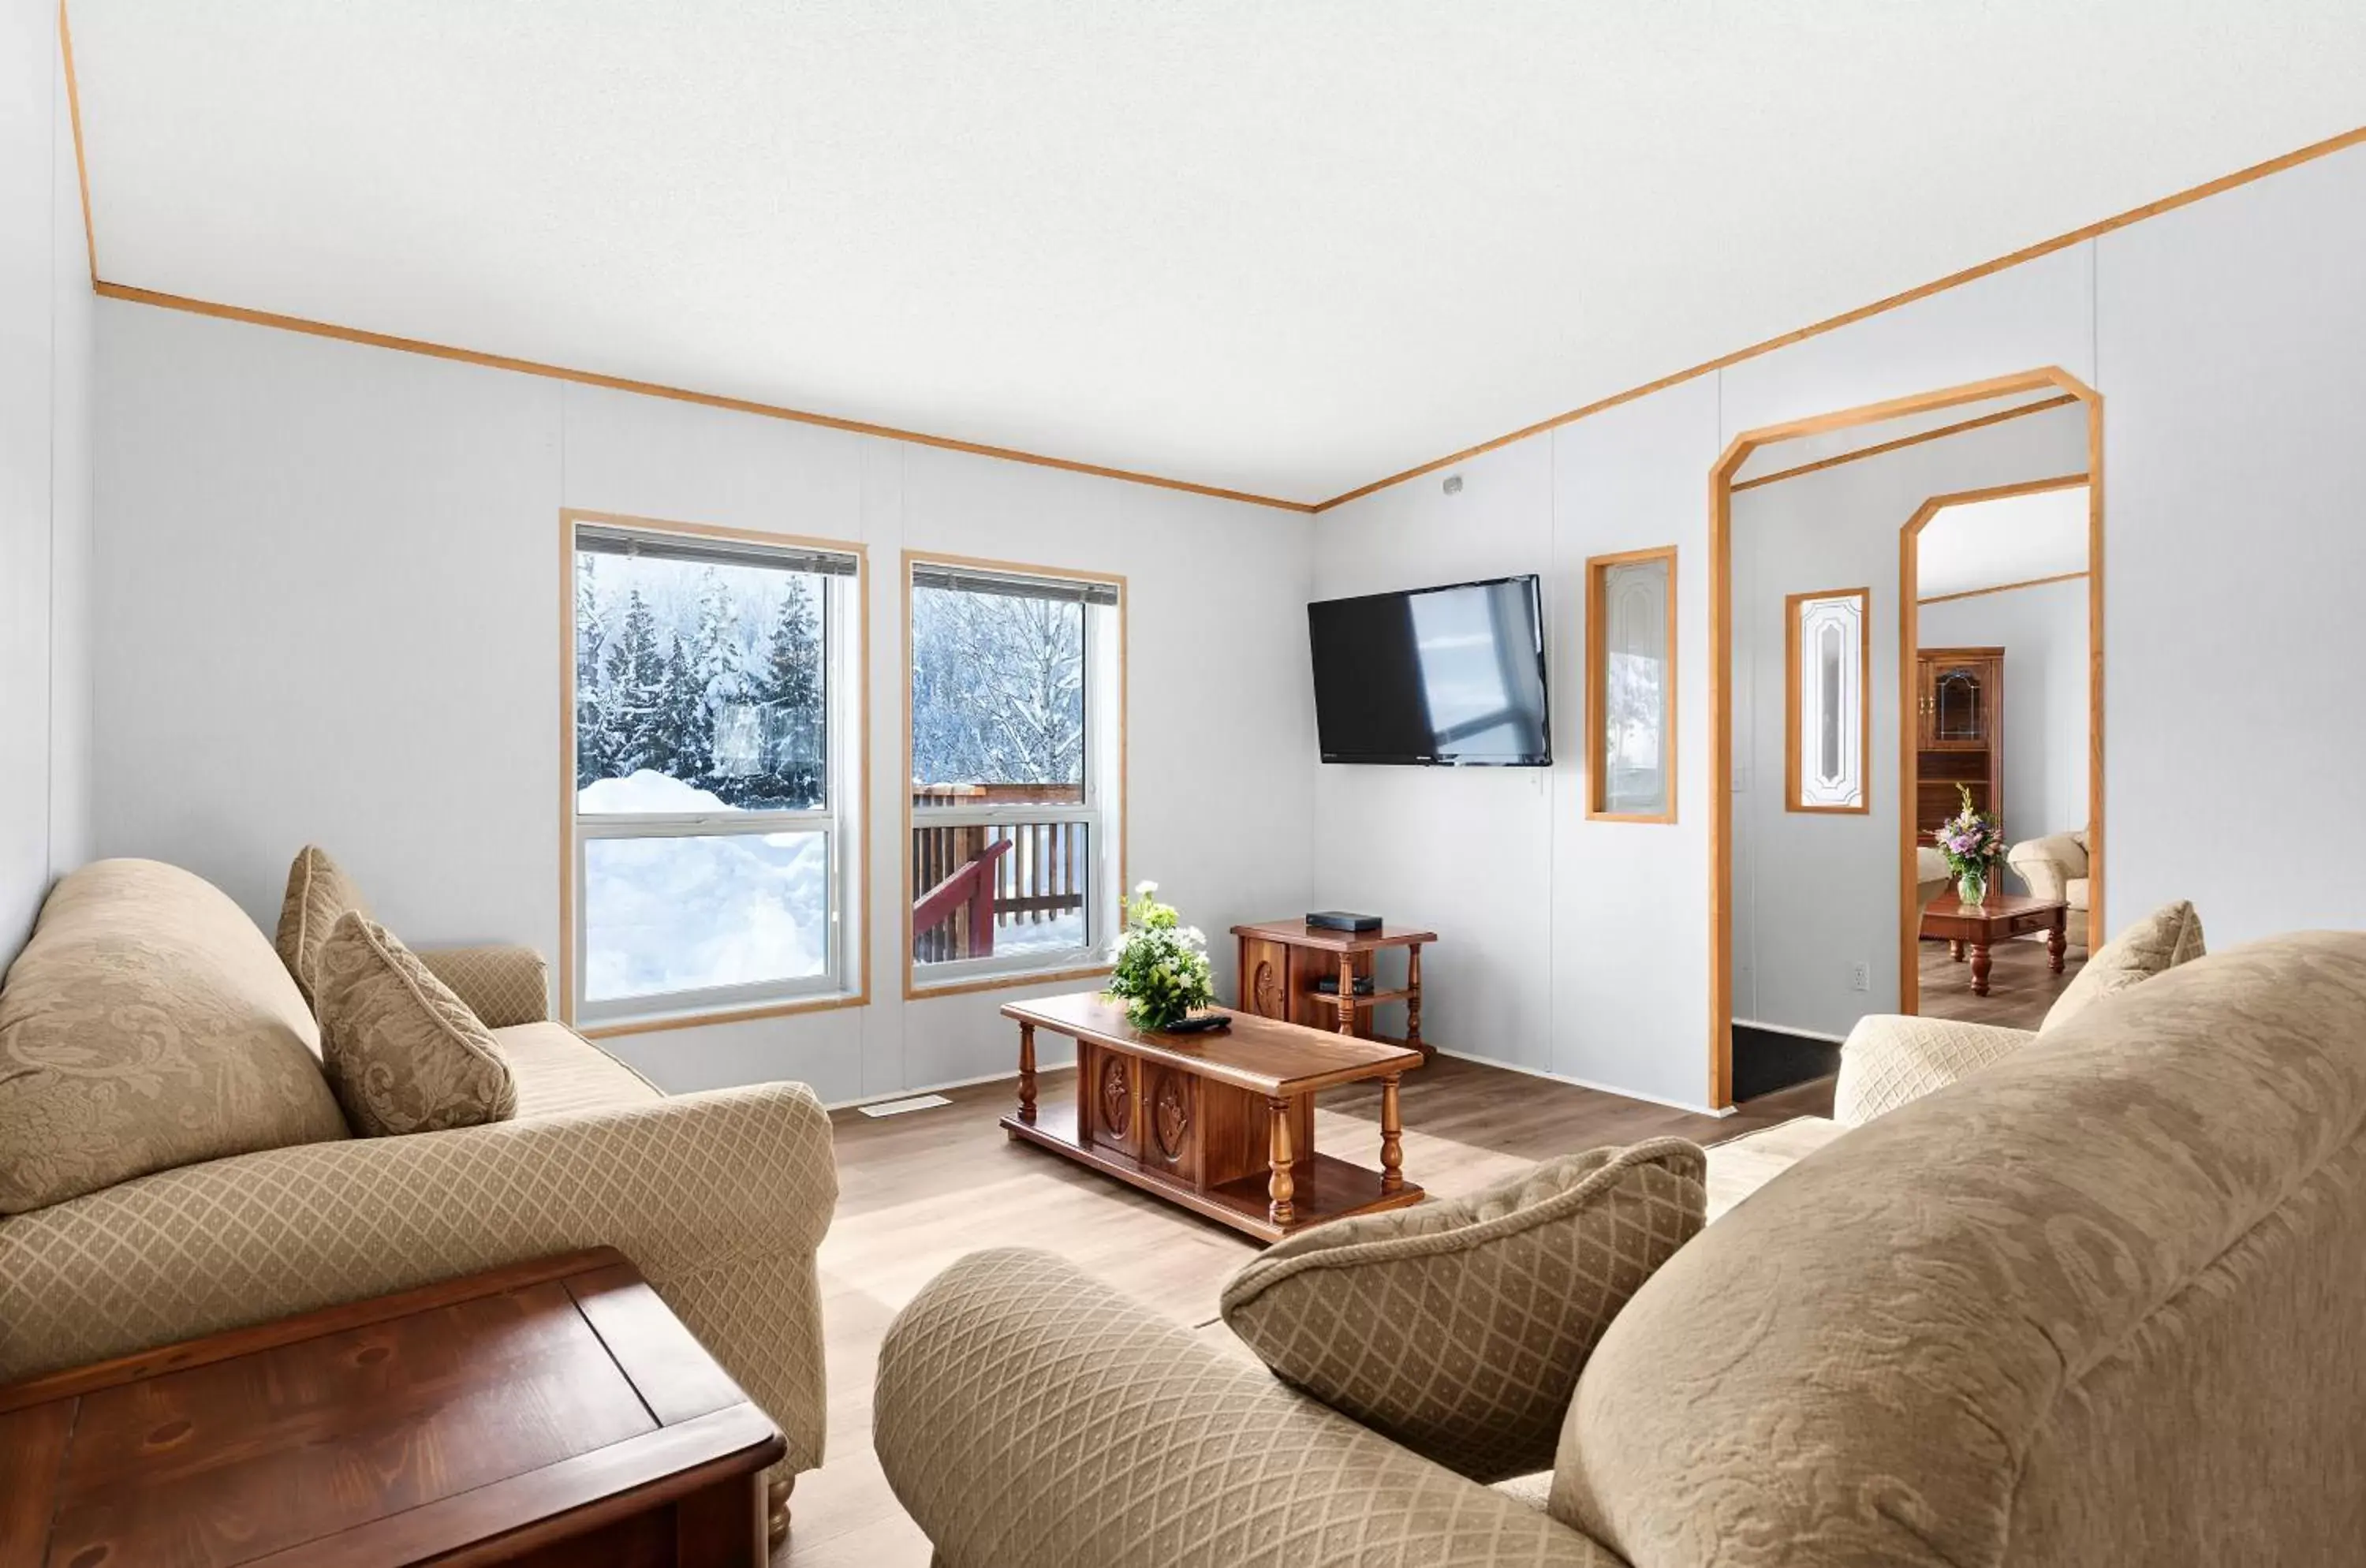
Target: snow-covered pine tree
column 636, row 672
column 790, row 687
column 594, row 754
column 684, row 729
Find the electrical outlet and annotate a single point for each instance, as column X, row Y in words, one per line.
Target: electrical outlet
column 1861, row 976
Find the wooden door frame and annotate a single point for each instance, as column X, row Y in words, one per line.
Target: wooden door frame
column 1910, row 761
column 1720, row 655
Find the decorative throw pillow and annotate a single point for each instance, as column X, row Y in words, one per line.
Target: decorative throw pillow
column 147, row 1025
column 1458, row 1328
column 403, row 1054
column 318, row 892
column 2168, row 937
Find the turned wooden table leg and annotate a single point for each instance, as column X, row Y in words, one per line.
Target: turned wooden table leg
column 2056, row 940
column 1282, row 1189
column 1027, row 1072
column 1413, row 996
column 1391, row 1137
column 1956, row 948
column 776, row 1510
column 1979, row 969
column 1347, row 993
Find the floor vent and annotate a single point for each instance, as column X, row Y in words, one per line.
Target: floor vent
column 897, row 1107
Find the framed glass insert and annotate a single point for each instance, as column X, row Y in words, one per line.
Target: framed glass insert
column 1828, row 750
column 1630, row 686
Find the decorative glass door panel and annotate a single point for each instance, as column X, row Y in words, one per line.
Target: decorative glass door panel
column 1959, row 706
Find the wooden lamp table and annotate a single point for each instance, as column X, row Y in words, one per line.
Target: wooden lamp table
column 543, row 1414
column 1222, row 1123
column 1981, row 926
column 1284, row 963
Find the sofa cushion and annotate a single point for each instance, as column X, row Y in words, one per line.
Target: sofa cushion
column 1458, row 1328
column 147, row 1024
column 403, row 1052
column 2168, row 937
column 557, row 1069
column 318, row 892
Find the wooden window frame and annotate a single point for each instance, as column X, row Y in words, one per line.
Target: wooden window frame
column 1104, row 893
column 1597, row 670
column 847, row 820
column 1794, row 716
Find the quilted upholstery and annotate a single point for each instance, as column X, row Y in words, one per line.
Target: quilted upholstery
column 318, row 892
column 503, row 986
column 1890, row 1060
column 2054, row 867
column 2099, row 1302
column 147, row 1025
column 719, row 1198
column 1029, row 1417
column 1458, row 1328
column 403, row 1054
column 557, row 1069
column 2168, row 937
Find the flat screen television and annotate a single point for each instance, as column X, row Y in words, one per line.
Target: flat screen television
column 1445, row 677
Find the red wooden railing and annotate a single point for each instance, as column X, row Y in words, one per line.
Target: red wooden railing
column 973, row 879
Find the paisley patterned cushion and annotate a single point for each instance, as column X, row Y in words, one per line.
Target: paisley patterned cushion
column 318, row 892
column 2168, row 937
column 1458, row 1328
column 403, row 1052
column 148, row 1025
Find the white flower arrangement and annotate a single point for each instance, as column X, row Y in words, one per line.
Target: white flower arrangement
column 1161, row 971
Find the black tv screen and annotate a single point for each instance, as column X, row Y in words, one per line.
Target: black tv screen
column 1450, row 677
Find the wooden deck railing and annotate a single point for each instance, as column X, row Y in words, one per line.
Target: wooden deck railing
column 974, row 880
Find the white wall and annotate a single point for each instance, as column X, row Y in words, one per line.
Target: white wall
column 2225, row 338
column 1816, row 894
column 329, row 579
column 2043, row 631
column 45, row 325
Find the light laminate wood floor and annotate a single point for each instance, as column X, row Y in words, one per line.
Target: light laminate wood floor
column 920, row 1190
column 2021, row 987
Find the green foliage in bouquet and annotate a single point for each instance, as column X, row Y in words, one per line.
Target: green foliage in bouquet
column 1162, row 965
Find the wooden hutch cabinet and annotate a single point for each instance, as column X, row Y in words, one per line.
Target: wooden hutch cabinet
column 1959, row 733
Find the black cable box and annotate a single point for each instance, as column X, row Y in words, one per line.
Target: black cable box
column 1342, row 920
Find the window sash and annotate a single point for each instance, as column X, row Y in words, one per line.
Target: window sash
column 840, row 688
column 708, row 998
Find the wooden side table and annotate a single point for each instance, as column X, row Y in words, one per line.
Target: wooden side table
column 1282, row 963
column 547, row 1413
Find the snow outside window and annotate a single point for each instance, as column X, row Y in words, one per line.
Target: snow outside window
column 1015, row 687
column 710, row 832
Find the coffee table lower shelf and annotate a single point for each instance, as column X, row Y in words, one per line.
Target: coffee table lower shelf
column 1327, row 1187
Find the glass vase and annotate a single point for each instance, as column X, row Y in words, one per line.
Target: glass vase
column 1972, row 887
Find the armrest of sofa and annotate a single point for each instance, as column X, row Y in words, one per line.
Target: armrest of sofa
column 503, row 984
column 1889, row 1059
column 719, row 1198
column 1026, row 1414
column 2048, row 864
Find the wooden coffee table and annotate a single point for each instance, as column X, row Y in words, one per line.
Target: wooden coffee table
column 1222, row 1123
column 546, row 1413
column 1981, row 926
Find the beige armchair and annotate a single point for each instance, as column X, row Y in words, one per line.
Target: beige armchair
column 2056, row 867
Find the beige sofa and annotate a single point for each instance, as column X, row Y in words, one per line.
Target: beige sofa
column 2097, row 1300
column 720, row 1198
column 2056, row 867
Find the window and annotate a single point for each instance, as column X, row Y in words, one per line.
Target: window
column 1016, row 735
column 1630, row 686
column 717, row 790
column 1828, row 744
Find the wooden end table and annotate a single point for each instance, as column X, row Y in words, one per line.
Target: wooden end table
column 1981, row 926
column 1220, row 1122
column 547, row 1413
column 1285, row 963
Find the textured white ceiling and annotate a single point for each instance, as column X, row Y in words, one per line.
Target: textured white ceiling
column 2020, row 538
column 1277, row 245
